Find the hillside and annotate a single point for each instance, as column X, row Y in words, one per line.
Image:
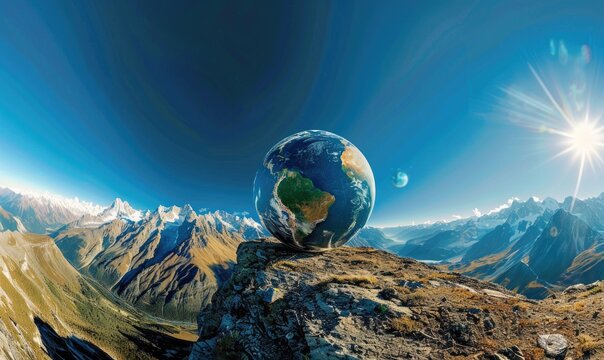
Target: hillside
column 512, row 245
column 354, row 303
column 168, row 263
column 9, row 222
column 48, row 310
column 522, row 260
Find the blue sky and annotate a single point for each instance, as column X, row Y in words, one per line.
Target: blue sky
column 177, row 102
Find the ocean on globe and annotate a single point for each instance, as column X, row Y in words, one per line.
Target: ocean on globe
column 314, row 191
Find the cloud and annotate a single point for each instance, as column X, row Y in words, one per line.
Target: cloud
column 456, row 217
column 476, row 212
column 505, row 205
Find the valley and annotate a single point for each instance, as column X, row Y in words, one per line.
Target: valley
column 513, row 246
column 47, row 309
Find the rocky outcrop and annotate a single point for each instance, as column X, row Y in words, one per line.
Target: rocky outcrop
column 361, row 303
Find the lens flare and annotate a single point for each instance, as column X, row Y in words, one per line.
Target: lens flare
column 562, row 113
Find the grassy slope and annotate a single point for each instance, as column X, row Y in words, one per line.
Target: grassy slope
column 37, row 285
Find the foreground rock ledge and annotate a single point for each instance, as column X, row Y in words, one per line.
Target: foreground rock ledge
column 361, row 303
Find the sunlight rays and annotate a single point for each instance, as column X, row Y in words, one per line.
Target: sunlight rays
column 563, row 116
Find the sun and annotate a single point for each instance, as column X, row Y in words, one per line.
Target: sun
column 585, row 138
column 563, row 118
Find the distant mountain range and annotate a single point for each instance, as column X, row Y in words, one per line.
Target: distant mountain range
column 44, row 212
column 167, row 262
column 532, row 247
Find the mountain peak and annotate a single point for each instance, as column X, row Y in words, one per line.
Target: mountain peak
column 120, row 209
column 118, row 202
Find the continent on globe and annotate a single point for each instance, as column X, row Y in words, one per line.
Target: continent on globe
column 308, row 204
column 314, row 190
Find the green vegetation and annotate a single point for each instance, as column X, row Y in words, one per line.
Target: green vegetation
column 381, row 309
column 301, row 197
column 48, row 292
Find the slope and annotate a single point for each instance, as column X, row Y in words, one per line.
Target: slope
column 169, row 263
column 361, row 303
column 48, row 310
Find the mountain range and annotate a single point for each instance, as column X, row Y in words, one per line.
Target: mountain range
column 117, row 282
column 167, row 262
column 514, row 246
column 42, row 213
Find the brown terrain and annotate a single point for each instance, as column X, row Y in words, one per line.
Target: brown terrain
column 362, row 303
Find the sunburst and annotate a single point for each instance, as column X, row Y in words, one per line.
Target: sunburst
column 580, row 134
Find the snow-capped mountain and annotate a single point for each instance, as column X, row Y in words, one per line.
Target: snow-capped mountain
column 529, row 246
column 42, row 213
column 119, row 209
column 169, row 262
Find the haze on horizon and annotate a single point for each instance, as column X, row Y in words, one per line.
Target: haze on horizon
column 173, row 104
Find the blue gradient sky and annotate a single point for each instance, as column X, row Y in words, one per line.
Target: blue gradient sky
column 178, row 102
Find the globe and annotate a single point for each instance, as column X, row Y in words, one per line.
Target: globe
column 314, row 191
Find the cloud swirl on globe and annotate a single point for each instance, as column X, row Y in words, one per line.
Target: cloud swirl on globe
column 314, row 190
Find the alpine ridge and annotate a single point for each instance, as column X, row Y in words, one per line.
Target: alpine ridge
column 168, row 262
column 514, row 245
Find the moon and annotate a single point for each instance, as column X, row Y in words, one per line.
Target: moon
column 400, row 179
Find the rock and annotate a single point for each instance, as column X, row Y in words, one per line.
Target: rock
column 203, row 349
column 434, row 283
column 227, row 323
column 488, row 324
column 411, row 284
column 467, row 288
column 270, row 295
column 474, row 311
column 461, row 333
column 387, row 294
column 320, row 306
column 581, row 287
column 555, row 345
column 512, row 353
column 233, row 303
column 495, row 293
column 575, row 288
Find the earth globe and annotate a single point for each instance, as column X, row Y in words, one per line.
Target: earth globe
column 314, row 191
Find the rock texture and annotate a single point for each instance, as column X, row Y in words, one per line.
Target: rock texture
column 361, row 303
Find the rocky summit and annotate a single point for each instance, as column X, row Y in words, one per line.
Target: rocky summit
column 362, row 303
